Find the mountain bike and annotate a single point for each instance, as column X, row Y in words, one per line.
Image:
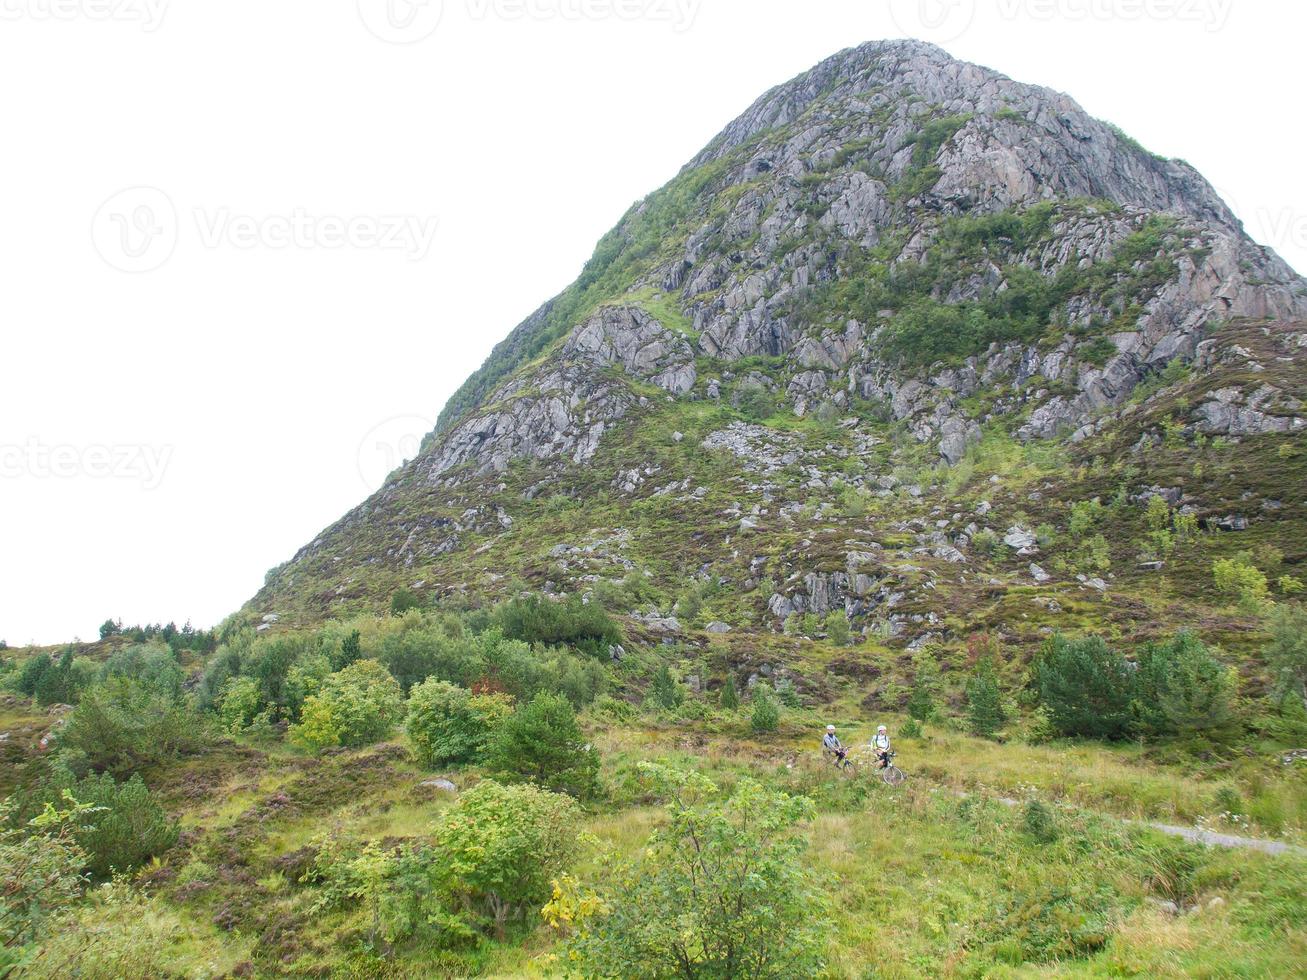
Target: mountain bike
column 844, row 765
column 891, row 774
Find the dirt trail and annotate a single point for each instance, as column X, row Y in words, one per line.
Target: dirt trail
column 1199, row 836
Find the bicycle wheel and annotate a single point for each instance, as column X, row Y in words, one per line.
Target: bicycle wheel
column 892, row 776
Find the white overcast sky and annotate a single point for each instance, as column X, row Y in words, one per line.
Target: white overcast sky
column 169, row 433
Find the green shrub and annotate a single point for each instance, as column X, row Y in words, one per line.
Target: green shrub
column 543, row 744
column 497, row 851
column 665, row 691
column 984, row 702
column 124, row 725
column 729, row 699
column 40, row 877
column 60, row 683
column 837, row 627
column 1286, row 654
column 1242, row 582
column 127, row 826
column 1038, row 822
column 154, row 665
column 574, row 623
column 402, row 600
column 721, row 891
column 239, row 704
column 1181, row 687
column 1085, row 686
column 356, row 706
column 925, row 684
column 449, row 725
column 766, row 715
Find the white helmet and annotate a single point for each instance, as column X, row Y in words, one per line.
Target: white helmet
column 830, row 728
column 881, row 728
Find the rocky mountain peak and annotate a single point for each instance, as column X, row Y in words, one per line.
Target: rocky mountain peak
column 897, row 243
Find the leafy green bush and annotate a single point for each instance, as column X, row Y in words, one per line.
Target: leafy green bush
column 1242, row 582
column 543, row 744
column 574, row 623
column 402, row 601
column 40, row 877
column 1085, row 686
column 449, row 725
column 356, row 706
column 766, row 715
column 497, row 851
column 1181, row 687
column 721, row 891
column 1287, row 653
column 124, row 725
column 62, row 682
column 154, row 665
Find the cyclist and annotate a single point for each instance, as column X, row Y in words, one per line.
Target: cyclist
column 880, row 745
column 832, row 744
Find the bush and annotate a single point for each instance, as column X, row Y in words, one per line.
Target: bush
column 155, row 666
column 543, row 744
column 1242, row 582
column 356, row 706
column 40, row 877
column 497, row 851
column 240, row 704
column 837, row 627
column 402, row 601
column 729, row 699
column 61, row 682
column 124, row 725
column 584, row 626
column 129, row 828
column 665, row 692
column 449, row 725
column 766, row 715
column 1287, row 653
column 1181, row 687
column 1085, row 687
column 925, row 682
column 984, row 703
column 722, row 891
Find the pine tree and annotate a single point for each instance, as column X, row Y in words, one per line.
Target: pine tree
column 665, row 692
column 766, row 712
column 730, row 697
column 984, row 707
column 921, row 699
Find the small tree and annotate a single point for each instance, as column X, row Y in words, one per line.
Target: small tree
column 402, row 600
column 355, row 707
column 730, row 697
column 127, row 826
column 665, row 691
column 721, row 891
column 1287, row 653
column 1181, row 688
column 351, row 650
column 543, row 744
column 110, row 628
column 837, row 627
column 124, row 725
column 449, row 725
column 498, row 850
column 984, row 702
column 766, row 711
column 1086, row 687
column 925, row 683
column 1242, row 582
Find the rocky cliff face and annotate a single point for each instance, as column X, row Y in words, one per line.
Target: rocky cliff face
column 900, row 250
